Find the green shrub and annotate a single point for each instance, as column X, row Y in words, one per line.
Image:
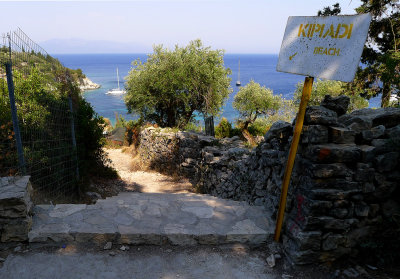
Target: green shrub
column 133, row 129
column 193, row 127
column 223, row 129
column 259, row 127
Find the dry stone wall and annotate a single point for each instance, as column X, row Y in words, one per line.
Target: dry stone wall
column 345, row 182
column 15, row 208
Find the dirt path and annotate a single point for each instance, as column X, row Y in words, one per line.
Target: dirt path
column 144, row 181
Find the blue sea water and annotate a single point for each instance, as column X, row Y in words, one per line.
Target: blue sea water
column 101, row 68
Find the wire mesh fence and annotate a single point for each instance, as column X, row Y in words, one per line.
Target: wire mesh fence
column 38, row 140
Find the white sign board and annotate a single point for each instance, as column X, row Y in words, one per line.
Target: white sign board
column 327, row 47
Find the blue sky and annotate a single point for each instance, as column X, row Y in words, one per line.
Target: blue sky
column 247, row 26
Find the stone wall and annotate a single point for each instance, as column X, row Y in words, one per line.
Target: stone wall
column 345, row 182
column 348, row 182
column 15, row 208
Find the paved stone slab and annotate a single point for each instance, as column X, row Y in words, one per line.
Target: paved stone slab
column 152, row 218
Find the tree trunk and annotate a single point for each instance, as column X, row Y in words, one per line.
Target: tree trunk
column 171, row 118
column 386, row 93
column 246, row 134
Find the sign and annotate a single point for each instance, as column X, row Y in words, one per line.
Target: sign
column 328, row 47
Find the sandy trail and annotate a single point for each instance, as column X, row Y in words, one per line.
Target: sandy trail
column 145, row 181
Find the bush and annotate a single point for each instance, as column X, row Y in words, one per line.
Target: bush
column 193, row 126
column 259, row 127
column 132, row 134
column 330, row 87
column 223, row 129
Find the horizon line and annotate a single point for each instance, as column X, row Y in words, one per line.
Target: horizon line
column 96, row 53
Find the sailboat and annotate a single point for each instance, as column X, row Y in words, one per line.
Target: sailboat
column 116, row 90
column 238, row 81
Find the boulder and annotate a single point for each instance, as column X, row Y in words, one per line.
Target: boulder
column 280, row 129
column 333, row 153
column 388, row 117
column 393, row 132
column 374, row 133
column 342, row 135
column 315, row 134
column 320, row 115
column 387, row 162
column 337, row 104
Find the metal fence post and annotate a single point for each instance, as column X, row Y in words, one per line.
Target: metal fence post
column 73, row 135
column 10, row 84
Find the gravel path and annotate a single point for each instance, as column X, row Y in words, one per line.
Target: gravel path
column 144, row 181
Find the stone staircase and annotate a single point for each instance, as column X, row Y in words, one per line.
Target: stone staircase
column 153, row 218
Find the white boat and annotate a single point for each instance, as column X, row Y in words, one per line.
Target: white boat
column 238, row 81
column 116, row 91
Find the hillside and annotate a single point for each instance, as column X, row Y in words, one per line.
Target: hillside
column 24, row 62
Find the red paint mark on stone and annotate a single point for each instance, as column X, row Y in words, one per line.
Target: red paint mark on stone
column 323, row 153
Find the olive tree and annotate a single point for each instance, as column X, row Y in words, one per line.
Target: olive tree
column 174, row 84
column 252, row 101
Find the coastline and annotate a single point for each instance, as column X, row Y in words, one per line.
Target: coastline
column 86, row 84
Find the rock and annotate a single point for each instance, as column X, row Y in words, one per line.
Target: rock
column 388, row 117
column 387, row 162
column 86, row 84
column 362, row 271
column 374, row 133
column 93, row 196
column 332, row 241
column 2, row 260
column 356, row 122
column 280, row 129
column 364, row 173
column 124, row 248
column 333, row 153
column 286, row 276
column 112, row 253
column 108, row 246
column 320, row 115
column 337, row 104
column 305, row 240
column 367, row 153
column 330, row 170
column 382, row 146
column 351, row 273
column 390, row 208
column 340, row 213
column 371, row 267
column 342, row 135
column 315, row 134
column 361, row 209
column 17, row 249
column 271, row 260
column 393, row 132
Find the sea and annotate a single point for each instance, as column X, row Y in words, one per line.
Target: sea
column 101, row 69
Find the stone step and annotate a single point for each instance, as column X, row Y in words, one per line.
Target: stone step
column 153, row 218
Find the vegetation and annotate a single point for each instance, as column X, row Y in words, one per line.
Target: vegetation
column 381, row 56
column 42, row 89
column 252, row 101
column 330, row 87
column 171, row 85
column 223, row 129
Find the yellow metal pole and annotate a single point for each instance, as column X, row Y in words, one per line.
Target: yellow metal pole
column 292, row 154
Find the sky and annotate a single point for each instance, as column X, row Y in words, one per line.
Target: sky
column 246, row 26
